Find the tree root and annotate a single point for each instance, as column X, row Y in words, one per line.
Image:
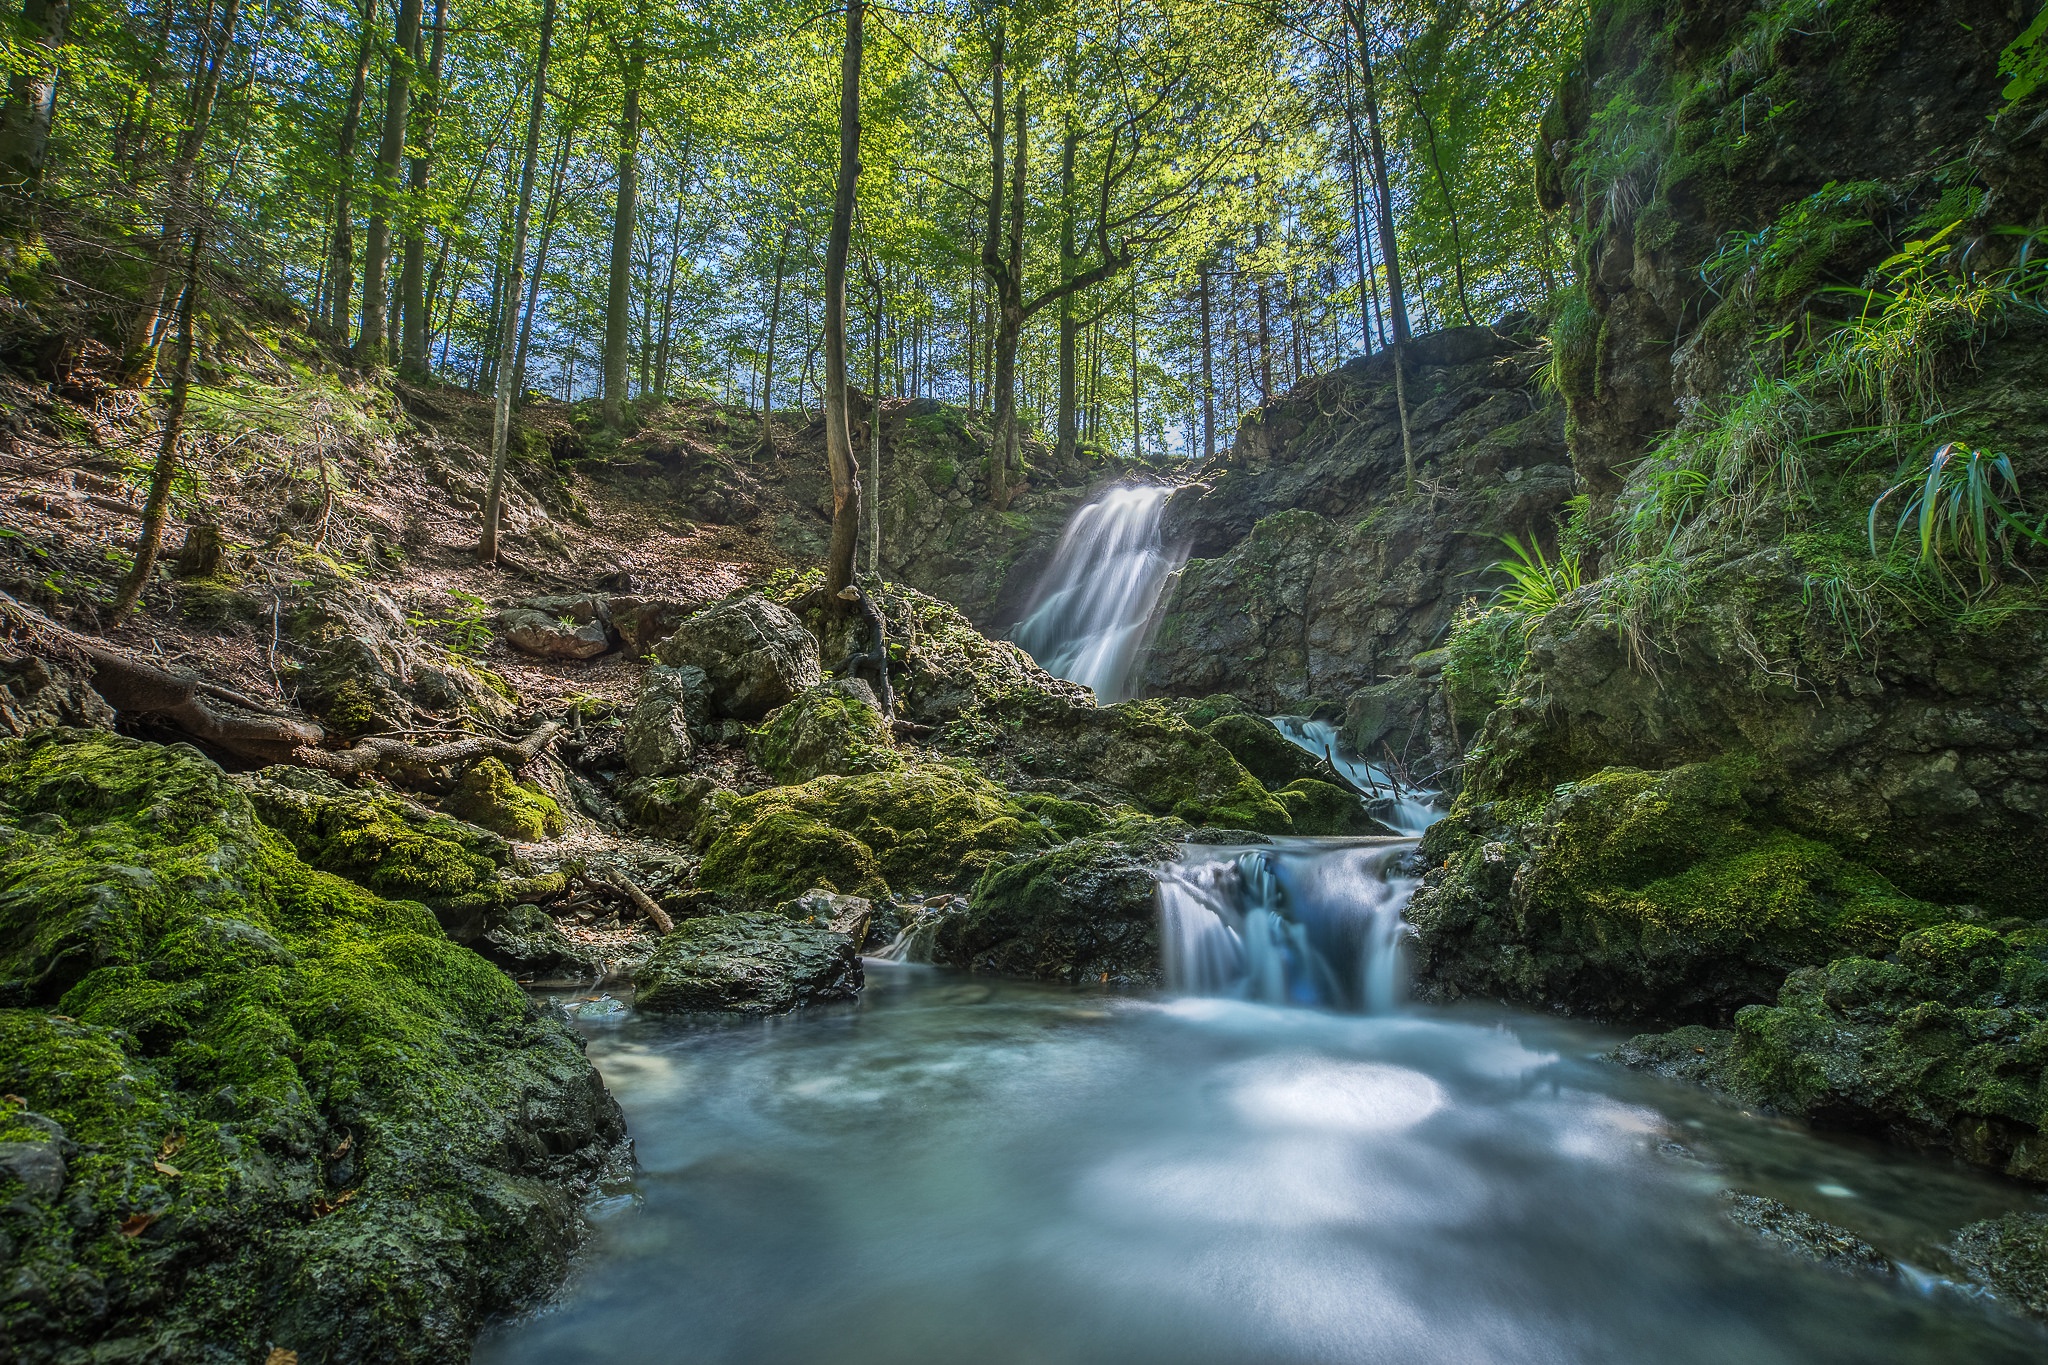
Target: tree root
column 375, row 752
column 877, row 656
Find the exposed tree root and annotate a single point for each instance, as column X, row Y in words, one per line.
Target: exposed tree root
column 377, row 752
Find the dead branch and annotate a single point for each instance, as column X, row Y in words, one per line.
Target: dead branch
column 621, row 883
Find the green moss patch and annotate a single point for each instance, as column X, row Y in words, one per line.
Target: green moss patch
column 294, row 1113
column 828, row 729
column 490, row 796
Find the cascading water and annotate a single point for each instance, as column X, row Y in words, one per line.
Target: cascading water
column 1410, row 810
column 1092, row 613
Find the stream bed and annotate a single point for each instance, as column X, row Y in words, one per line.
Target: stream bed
column 964, row 1171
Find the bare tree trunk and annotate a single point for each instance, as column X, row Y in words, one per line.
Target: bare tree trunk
column 1443, row 186
column 1068, row 437
column 668, row 285
column 344, row 267
column 618, row 299
column 501, row 407
column 157, row 506
column 1208, row 373
column 871, row 499
column 412, row 274
column 1008, row 277
column 1389, row 250
column 549, row 218
column 768, row 361
column 1137, row 409
column 32, row 94
column 139, row 365
column 838, row 429
column 370, row 337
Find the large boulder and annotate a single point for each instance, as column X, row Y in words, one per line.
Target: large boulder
column 656, row 741
column 290, row 1114
column 1265, row 753
column 755, row 655
column 489, row 795
column 835, row 727
column 363, row 668
column 759, row 963
column 546, row 635
column 641, row 623
column 1085, row 912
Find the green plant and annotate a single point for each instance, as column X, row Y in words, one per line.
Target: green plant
column 467, row 632
column 1964, row 510
column 2026, row 60
column 1536, row 583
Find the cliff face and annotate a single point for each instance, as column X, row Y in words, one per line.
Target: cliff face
column 1318, row 577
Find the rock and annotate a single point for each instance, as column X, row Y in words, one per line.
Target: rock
column 39, row 1166
column 656, row 740
column 1693, row 1055
column 488, row 795
column 1801, row 1234
column 690, row 810
column 644, row 622
column 364, row 670
column 551, row 637
column 834, row 727
column 2009, row 1257
column 1668, row 896
column 749, row 963
column 848, row 915
column 756, row 655
column 392, row 846
column 925, row 826
column 36, row 693
column 1265, row 753
column 150, row 918
column 1327, row 809
column 1085, row 912
column 526, row 941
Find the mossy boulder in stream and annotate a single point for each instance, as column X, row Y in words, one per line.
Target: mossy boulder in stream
column 1322, row 808
column 760, row 963
column 280, row 1111
column 1642, row 895
column 1265, row 753
column 833, row 728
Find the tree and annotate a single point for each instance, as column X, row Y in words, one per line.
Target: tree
column 384, row 200
column 31, row 99
column 618, row 305
column 838, row 427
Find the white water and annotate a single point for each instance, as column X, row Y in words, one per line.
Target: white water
column 1313, row 922
column 1093, row 611
column 1411, row 810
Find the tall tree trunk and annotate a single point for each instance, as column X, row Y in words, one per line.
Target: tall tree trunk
column 501, row 406
column 550, row 218
column 668, row 284
column 618, row 298
column 1137, row 394
column 139, row 365
column 1007, row 275
column 838, row 427
column 342, row 296
column 1390, row 253
column 131, row 135
column 768, row 360
column 384, row 201
column 1443, row 186
column 45, row 27
column 412, row 274
column 157, row 506
column 1265, row 345
column 1068, row 437
column 871, row 497
column 1208, row 373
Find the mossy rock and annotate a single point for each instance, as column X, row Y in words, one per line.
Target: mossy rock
column 1084, row 913
column 689, row 810
column 387, row 844
column 834, row 728
column 760, row 963
column 925, row 826
column 296, row 1114
column 488, row 795
column 1644, row 895
column 1265, row 753
column 1323, row 808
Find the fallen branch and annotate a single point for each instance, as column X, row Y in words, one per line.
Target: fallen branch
column 621, row 883
column 379, row 751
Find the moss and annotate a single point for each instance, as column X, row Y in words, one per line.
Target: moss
column 298, row 1111
column 1067, row 819
column 1324, row 808
column 1265, row 753
column 490, row 796
column 925, row 826
column 827, row 729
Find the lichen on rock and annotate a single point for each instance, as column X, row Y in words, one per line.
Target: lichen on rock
column 297, row 1115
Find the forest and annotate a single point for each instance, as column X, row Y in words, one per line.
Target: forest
column 1036, row 680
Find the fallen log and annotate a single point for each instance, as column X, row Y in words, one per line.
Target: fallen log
column 377, row 751
column 621, row 883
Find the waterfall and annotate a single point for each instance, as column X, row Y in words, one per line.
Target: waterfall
column 1312, row 922
column 1092, row 612
column 1398, row 805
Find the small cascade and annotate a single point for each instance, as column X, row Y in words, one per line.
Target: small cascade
column 1093, row 611
column 1313, row 922
column 1408, row 809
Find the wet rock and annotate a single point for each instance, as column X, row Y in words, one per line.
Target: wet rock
column 1802, row 1235
column 526, row 941
column 1266, row 753
column 1694, row 1055
column 546, row 636
column 39, row 1166
column 848, row 915
column 371, row 1141
column 656, row 741
column 1085, row 912
column 1324, row 808
column 750, row 963
column 490, row 796
column 755, row 655
column 2009, row 1257
column 834, row 727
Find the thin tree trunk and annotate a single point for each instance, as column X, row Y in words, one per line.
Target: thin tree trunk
column 1443, row 186
column 618, row 299
column 344, row 265
column 370, row 337
column 501, row 407
column 1137, row 395
column 871, row 500
column 1208, row 373
column 668, row 285
column 412, row 282
column 139, row 365
column 550, row 218
column 1068, row 437
column 768, row 361
column 157, row 507
column 1389, row 251
column 838, row 429
column 1008, row 277
column 44, row 29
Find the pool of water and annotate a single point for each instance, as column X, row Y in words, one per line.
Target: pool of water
column 968, row 1172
